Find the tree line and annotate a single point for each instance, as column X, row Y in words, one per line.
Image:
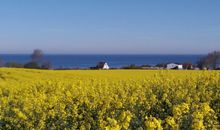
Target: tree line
column 209, row 61
column 37, row 62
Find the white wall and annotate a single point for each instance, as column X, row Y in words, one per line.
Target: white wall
column 172, row 65
column 105, row 66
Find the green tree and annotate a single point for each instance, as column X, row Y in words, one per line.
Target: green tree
column 37, row 55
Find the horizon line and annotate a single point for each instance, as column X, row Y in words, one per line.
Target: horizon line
column 105, row 54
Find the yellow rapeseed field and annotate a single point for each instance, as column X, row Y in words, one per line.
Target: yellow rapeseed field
column 109, row 99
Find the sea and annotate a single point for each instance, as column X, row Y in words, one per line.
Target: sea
column 114, row 61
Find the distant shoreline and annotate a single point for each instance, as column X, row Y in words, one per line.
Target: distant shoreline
column 94, row 54
column 114, row 61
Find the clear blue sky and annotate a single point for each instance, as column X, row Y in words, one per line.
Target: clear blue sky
column 110, row 26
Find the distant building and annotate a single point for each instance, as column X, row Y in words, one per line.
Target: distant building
column 174, row 66
column 102, row 65
column 188, row 66
column 196, row 68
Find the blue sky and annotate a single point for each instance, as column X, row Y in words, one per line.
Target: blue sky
column 110, row 26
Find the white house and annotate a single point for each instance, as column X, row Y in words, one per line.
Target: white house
column 174, row 66
column 103, row 65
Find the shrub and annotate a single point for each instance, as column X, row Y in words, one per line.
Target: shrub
column 32, row 65
column 14, row 65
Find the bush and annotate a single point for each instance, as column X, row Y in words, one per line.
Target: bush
column 32, row 65
column 14, row 65
column 162, row 65
column 46, row 65
column 132, row 66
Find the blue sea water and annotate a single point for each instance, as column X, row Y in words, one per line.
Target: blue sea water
column 85, row 61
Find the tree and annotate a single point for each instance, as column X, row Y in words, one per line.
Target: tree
column 37, row 55
column 210, row 61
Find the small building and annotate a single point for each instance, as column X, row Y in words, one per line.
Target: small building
column 188, row 66
column 174, row 66
column 102, row 65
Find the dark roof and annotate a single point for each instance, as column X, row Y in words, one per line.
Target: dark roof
column 101, row 64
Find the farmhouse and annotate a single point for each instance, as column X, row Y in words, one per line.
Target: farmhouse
column 102, row 65
column 174, row 66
